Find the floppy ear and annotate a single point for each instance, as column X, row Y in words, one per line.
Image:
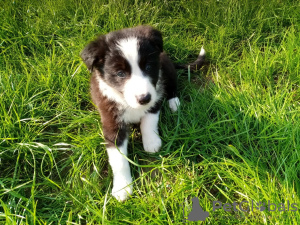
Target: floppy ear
column 156, row 38
column 153, row 35
column 93, row 54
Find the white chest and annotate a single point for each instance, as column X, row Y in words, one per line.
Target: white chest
column 133, row 115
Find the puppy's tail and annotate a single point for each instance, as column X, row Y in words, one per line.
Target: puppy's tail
column 196, row 65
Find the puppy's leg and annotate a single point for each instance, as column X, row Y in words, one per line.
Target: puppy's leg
column 170, row 77
column 115, row 134
column 122, row 186
column 149, row 129
column 174, row 103
column 117, row 153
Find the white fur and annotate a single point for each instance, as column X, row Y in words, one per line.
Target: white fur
column 131, row 115
column 110, row 92
column 149, row 129
column 137, row 84
column 122, row 186
column 202, row 52
column 174, row 104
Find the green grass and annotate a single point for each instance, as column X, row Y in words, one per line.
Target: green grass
column 236, row 136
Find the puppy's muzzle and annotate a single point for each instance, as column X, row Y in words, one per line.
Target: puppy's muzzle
column 144, row 99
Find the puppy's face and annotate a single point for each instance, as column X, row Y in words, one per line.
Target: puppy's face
column 128, row 61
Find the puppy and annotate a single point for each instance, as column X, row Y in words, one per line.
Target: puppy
column 131, row 76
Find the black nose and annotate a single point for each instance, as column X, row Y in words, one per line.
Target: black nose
column 144, row 99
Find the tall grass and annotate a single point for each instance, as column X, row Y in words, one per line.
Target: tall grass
column 235, row 138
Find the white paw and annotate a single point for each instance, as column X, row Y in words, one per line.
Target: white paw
column 151, row 143
column 174, row 103
column 122, row 189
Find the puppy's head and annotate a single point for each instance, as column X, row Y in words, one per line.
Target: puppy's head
column 128, row 61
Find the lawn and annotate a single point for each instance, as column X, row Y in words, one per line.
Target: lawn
column 235, row 139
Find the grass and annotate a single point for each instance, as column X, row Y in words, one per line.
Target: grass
column 235, row 138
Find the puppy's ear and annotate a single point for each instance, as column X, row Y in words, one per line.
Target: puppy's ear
column 153, row 35
column 156, row 38
column 93, row 54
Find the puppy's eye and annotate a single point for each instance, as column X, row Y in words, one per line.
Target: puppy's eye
column 121, row 74
column 148, row 67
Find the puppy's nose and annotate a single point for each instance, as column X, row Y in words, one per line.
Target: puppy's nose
column 144, row 99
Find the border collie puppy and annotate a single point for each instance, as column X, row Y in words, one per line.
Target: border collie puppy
column 131, row 76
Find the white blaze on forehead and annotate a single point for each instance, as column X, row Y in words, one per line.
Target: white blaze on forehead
column 129, row 48
column 138, row 84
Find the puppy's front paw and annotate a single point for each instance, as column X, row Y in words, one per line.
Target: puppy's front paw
column 121, row 194
column 152, row 143
column 174, row 103
column 122, row 188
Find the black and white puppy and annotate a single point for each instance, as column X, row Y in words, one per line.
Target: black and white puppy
column 131, row 76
